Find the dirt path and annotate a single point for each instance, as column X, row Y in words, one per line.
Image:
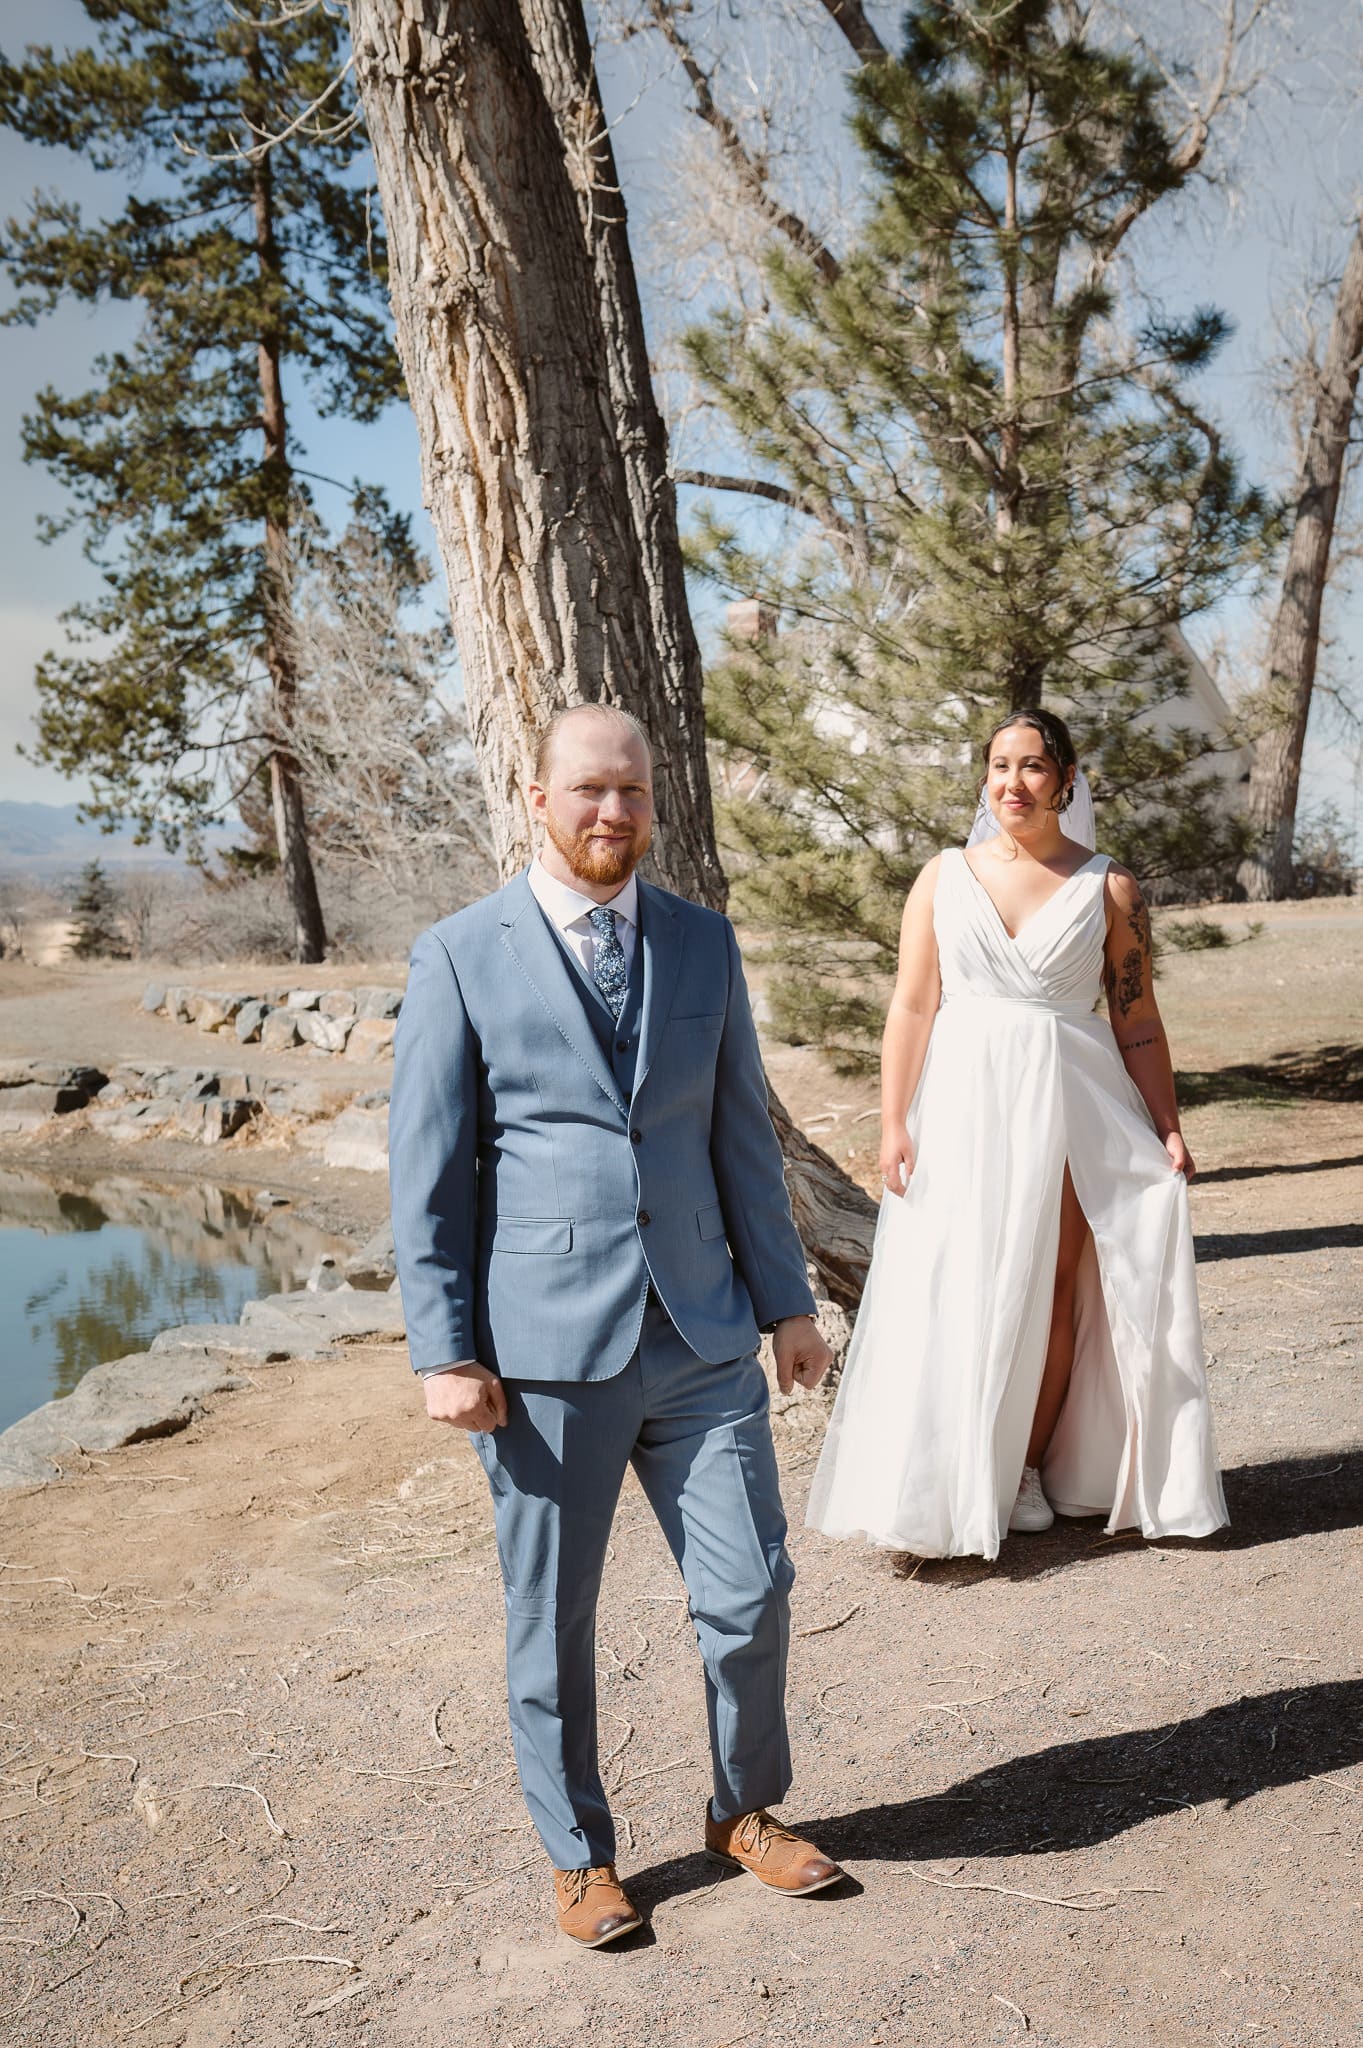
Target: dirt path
column 253, row 1713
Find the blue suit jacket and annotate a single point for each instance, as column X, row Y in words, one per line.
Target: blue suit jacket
column 528, row 1218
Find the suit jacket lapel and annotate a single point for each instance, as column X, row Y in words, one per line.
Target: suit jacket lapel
column 541, row 959
column 663, row 942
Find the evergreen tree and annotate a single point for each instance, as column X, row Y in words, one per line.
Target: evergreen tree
column 249, row 246
column 95, row 933
column 1007, row 492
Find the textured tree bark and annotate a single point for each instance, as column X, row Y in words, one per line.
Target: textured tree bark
column 291, row 836
column 544, row 456
column 1294, row 643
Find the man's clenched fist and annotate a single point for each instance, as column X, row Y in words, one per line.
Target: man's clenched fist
column 469, row 1396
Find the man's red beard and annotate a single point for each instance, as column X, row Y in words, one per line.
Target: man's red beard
column 598, row 860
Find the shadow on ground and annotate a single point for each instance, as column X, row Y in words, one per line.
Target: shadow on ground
column 1075, row 1795
column 1224, row 1173
column 1328, row 1073
column 1268, row 1244
column 1272, row 1502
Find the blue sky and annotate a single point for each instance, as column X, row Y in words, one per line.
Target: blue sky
column 1300, row 167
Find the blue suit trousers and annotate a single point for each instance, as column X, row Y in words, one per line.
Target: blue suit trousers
column 698, row 1436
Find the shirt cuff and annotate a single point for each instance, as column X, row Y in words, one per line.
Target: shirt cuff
column 429, row 1372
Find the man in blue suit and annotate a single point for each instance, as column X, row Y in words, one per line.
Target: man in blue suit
column 592, row 1227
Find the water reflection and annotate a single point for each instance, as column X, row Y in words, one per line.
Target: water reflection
column 92, row 1271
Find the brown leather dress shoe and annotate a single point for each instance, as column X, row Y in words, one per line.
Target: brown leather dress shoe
column 756, row 1842
column 593, row 1907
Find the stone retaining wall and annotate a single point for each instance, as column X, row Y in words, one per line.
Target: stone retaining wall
column 357, row 1023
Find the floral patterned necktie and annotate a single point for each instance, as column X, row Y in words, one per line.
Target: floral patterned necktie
column 608, row 963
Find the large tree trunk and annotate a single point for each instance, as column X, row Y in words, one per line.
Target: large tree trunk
column 544, row 457
column 1294, row 643
column 291, row 836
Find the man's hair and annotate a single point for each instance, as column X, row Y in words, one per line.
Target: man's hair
column 544, row 751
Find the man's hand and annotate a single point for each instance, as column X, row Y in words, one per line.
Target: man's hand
column 469, row 1396
column 801, row 1353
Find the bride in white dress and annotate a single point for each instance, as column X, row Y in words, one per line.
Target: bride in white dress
column 1029, row 1338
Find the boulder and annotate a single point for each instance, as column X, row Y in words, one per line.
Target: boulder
column 133, row 1120
column 328, row 1034
column 177, row 1003
column 359, row 1138
column 304, row 998
column 24, row 1108
column 249, row 1020
column 325, row 1275
column 337, row 1002
column 279, row 1030
column 215, row 1117
column 345, row 1313
column 378, row 1002
column 264, row 1343
column 375, row 1263
column 154, row 997
column 371, row 1038
column 216, row 1011
column 122, row 1402
column 182, row 1081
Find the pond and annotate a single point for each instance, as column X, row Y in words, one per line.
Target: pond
column 93, row 1270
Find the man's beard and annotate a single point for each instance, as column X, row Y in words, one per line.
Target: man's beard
column 600, row 861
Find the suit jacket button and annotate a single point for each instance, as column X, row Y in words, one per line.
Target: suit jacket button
column 644, row 1217
column 622, row 1045
column 637, row 1136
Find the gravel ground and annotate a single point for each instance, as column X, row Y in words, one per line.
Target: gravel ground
column 257, row 1782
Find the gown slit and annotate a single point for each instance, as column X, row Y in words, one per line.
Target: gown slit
column 1021, row 1081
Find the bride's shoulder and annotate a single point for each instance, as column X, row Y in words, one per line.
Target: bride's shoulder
column 1122, row 890
column 925, row 882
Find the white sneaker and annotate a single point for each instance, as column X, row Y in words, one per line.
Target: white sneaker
column 1031, row 1510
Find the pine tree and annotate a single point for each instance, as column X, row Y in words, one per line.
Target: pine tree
column 1006, row 493
column 95, row 933
column 249, row 246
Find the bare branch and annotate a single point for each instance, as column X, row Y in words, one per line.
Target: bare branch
column 760, row 487
column 850, row 17
column 749, row 171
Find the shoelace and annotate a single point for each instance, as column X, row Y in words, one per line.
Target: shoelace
column 580, row 1882
column 759, row 1831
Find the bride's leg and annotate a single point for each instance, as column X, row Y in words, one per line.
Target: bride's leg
column 1055, row 1377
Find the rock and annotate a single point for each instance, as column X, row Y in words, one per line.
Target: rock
column 135, row 1120
column 154, row 997
column 265, row 1201
column 346, row 1313
column 215, row 1117
column 177, row 1003
column 328, row 1034
column 182, row 1081
column 122, row 1402
column 371, row 1039
column 378, row 1002
column 377, row 1098
column 264, row 1343
column 337, row 1002
column 217, row 1011
column 359, row 1138
column 375, row 1263
column 279, row 1030
column 51, row 1074
column 304, row 1098
column 24, row 1108
column 249, row 1020
column 304, row 998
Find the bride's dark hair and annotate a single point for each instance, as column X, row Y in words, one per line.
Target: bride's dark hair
column 1056, row 744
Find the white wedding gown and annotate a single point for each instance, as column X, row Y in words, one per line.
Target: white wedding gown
column 926, row 1444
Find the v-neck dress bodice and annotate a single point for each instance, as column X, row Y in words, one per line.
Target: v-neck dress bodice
column 929, row 1433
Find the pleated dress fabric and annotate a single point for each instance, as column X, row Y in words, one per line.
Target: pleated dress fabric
column 929, row 1433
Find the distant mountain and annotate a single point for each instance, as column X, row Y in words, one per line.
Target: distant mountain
column 49, row 839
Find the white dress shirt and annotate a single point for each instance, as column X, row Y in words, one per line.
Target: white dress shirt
column 566, row 909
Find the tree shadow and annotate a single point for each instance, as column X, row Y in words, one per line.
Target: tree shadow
column 1272, row 1502
column 1328, row 1073
column 1267, row 1244
column 1077, row 1794
column 1225, row 1173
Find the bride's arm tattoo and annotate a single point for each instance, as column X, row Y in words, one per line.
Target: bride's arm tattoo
column 1126, row 985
